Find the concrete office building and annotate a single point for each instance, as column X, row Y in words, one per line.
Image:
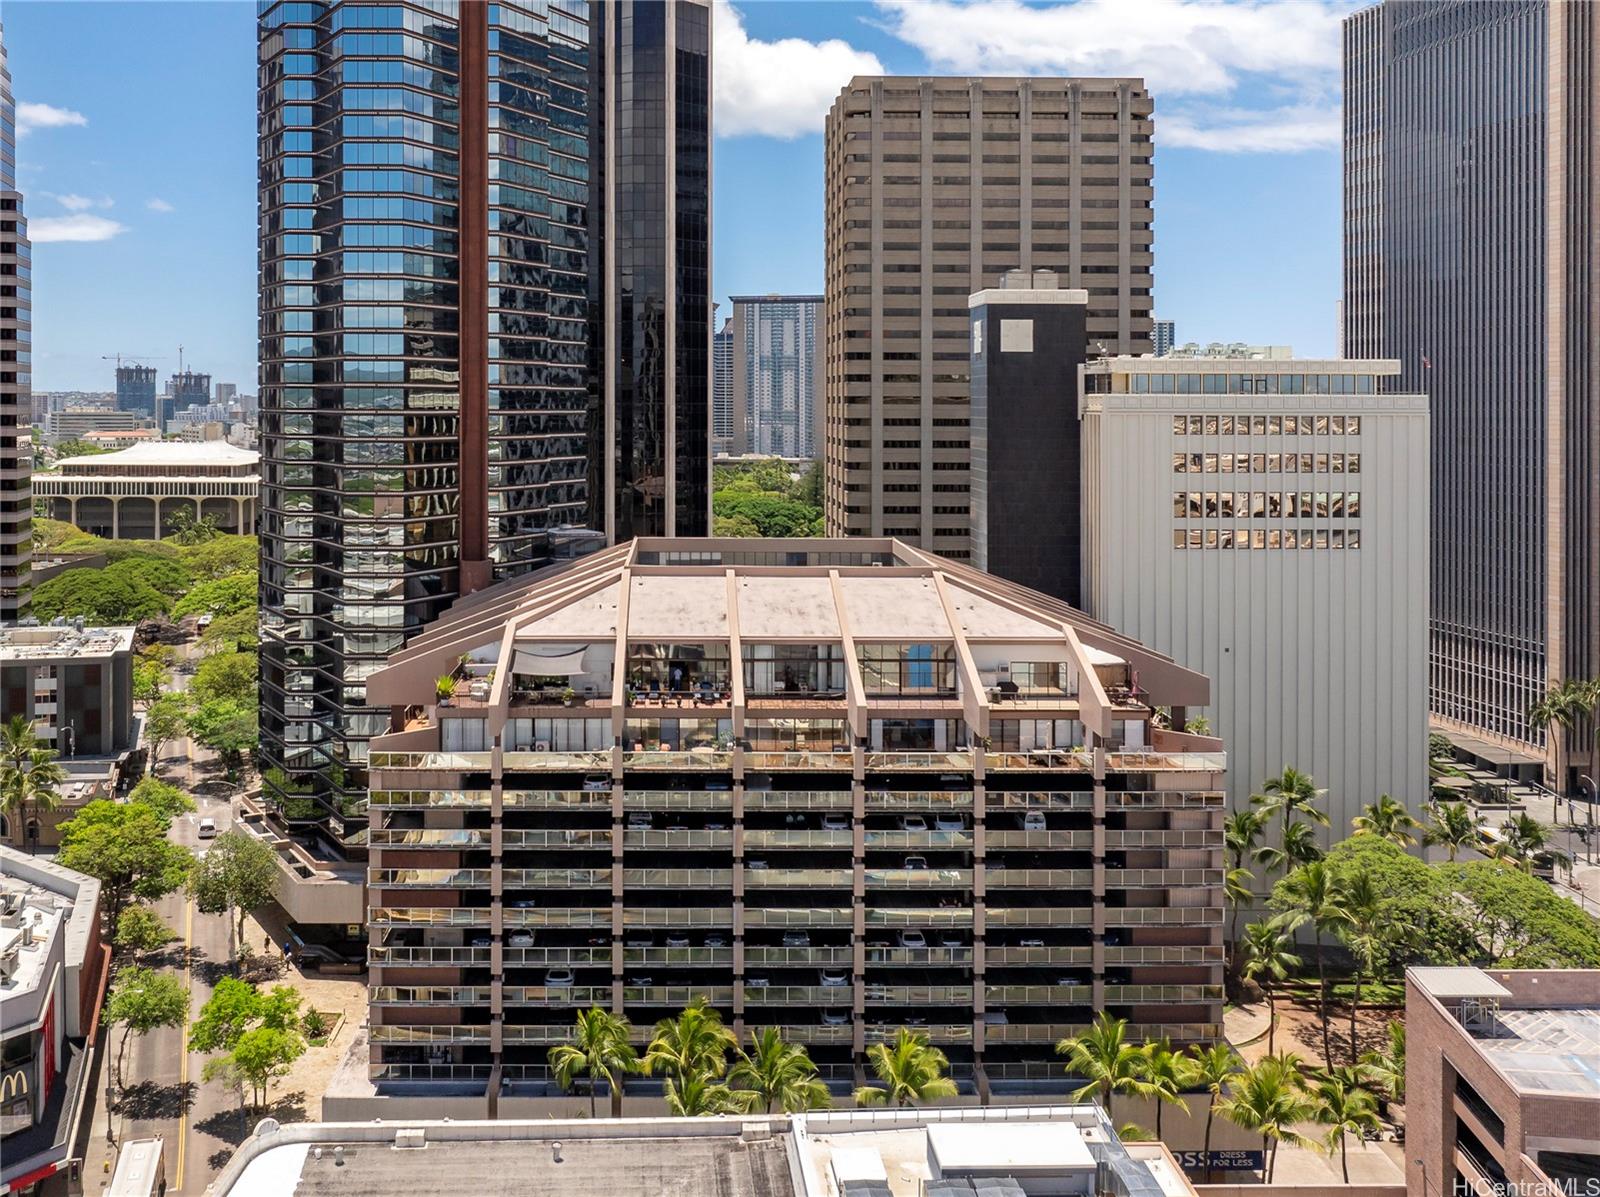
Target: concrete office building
column 1164, row 335
column 16, row 367
column 936, row 1152
column 1027, row 344
column 75, row 424
column 1472, row 201
column 1266, row 523
column 136, row 390
column 1233, row 350
column 934, row 187
column 775, row 388
column 1501, row 1090
column 509, row 359
column 53, row 970
column 833, row 785
column 135, row 493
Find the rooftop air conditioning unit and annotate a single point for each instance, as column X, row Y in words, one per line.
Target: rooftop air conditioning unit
column 410, row 1138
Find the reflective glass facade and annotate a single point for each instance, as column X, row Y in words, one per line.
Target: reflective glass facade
column 16, row 354
column 1471, row 256
column 374, row 398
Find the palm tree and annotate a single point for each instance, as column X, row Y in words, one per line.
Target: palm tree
column 1361, row 933
column 1286, row 796
column 29, row 775
column 599, row 1049
column 1386, row 818
column 1343, row 1108
column 1241, row 838
column 1299, row 847
column 1107, row 1061
column 1557, row 712
column 1237, row 891
column 1386, row 1066
column 1524, row 840
column 911, row 1070
column 1213, row 1069
column 1455, row 825
column 773, row 1073
column 1269, row 959
column 1269, row 1100
column 1167, row 1074
column 691, row 1047
column 698, row 1095
column 1317, row 899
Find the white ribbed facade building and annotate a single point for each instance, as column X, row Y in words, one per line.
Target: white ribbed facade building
column 1266, row 523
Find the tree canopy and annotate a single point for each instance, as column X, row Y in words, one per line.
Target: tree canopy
column 226, row 675
column 98, row 595
column 763, row 498
column 238, row 874
column 161, row 574
column 124, row 846
column 226, row 595
column 165, row 799
column 228, row 726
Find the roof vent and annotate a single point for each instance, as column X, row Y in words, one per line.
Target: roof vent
column 410, row 1138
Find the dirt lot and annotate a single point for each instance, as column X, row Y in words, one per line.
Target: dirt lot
column 1300, row 1031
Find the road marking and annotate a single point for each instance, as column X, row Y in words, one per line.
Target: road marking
column 183, row 1048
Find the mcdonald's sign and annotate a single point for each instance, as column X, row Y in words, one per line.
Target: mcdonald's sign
column 14, row 1085
column 16, row 1106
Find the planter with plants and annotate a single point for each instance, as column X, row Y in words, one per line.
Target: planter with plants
column 569, row 697
column 445, row 689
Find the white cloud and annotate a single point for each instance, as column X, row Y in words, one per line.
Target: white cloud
column 1201, row 58
column 32, row 115
column 781, row 88
column 157, row 204
column 80, row 226
column 80, row 203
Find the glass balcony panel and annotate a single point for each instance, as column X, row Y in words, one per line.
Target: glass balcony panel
column 716, row 800
column 798, row 995
column 920, row 957
column 839, row 840
column 919, row 878
column 957, row 841
column 798, row 878
column 676, row 996
column 1040, row 916
column 668, row 917
column 682, row 840
column 721, row 879
column 898, row 800
column 1001, row 878
column 797, row 916
column 921, row 995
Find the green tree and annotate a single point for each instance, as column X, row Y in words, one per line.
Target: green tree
column 140, row 1001
column 100, row 598
column 1556, row 714
column 152, row 675
column 776, row 1073
column 699, row 1095
column 236, row 631
column 226, row 677
column 1213, row 1069
column 734, row 525
column 1316, row 898
column 263, row 1055
column 1241, row 837
column 691, row 1048
column 909, row 1069
column 1362, row 934
column 1344, row 1109
column 1454, row 826
column 1387, row 1065
column 1106, row 1060
column 185, row 527
column 166, row 720
column 1167, row 1073
column 1524, row 843
column 236, row 1007
column 77, row 447
column 1287, row 797
column 162, row 574
column 1237, row 891
column 1518, row 921
column 1388, row 819
column 30, row 778
column 1269, row 960
column 140, row 930
column 1299, row 846
column 236, row 876
column 228, row 727
column 221, row 556
column 221, row 596
column 1269, row 1100
column 599, row 1049
column 124, row 846
column 167, row 800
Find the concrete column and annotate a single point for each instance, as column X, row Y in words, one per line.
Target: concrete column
column 72, row 511
column 116, row 518
column 156, row 499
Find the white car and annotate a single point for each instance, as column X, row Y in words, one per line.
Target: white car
column 207, row 829
column 558, row 978
column 1033, row 820
column 836, row 822
column 756, row 983
column 913, row 939
column 835, row 978
column 835, row 1018
column 913, row 823
column 950, row 823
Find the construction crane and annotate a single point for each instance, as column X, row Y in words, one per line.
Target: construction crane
column 133, row 359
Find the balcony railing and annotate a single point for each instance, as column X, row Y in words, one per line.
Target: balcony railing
column 1153, row 838
column 943, row 762
column 564, row 837
column 414, row 957
column 429, row 916
column 557, row 799
column 670, row 917
column 841, row 840
column 1166, row 762
column 1162, row 994
column 798, row 995
column 1166, row 954
column 1040, row 916
column 429, row 878
column 760, row 760
column 1161, row 878
column 463, row 1073
column 1059, row 760
column 541, row 957
column 809, row 800
column 552, row 916
column 1137, row 916
column 1038, row 878
column 439, row 799
column 447, row 839
column 918, row 800
column 557, row 995
column 923, row 916
column 1035, row 841
column 798, row 916
column 919, row 957
column 919, row 841
column 959, row 1032
column 539, row 1035
column 798, row 878
column 1017, row 956
column 1024, row 800
column 682, row 840
column 676, row 995
column 653, row 800
column 556, row 878
column 695, row 760
column 919, row 878
column 430, row 1035
column 921, row 995
column 568, row 762
column 798, row 957
column 430, row 995
column 819, row 1034
column 1038, row 995
column 678, row 957
column 440, row 762
column 719, row 879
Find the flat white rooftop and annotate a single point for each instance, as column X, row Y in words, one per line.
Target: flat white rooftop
column 1008, row 1149
column 1454, row 982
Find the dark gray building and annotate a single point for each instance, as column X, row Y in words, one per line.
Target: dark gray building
column 650, row 171
column 1472, row 255
column 16, row 369
column 136, row 390
column 722, row 389
column 1028, row 341
column 187, row 387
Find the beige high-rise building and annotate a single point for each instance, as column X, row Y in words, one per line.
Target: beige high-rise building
column 935, row 187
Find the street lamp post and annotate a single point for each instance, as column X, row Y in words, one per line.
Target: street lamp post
column 1586, row 782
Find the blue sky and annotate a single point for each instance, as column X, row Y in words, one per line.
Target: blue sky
column 138, row 159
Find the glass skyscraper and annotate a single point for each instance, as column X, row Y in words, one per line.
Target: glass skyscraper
column 441, row 268
column 777, row 371
column 1472, row 255
column 136, row 390
column 16, row 342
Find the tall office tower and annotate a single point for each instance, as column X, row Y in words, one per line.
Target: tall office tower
column 1164, row 335
column 1027, row 344
column 136, row 390
column 722, row 389
column 1472, row 202
column 935, row 187
column 225, row 393
column 650, row 111
column 836, row 787
column 16, row 378
column 777, row 374
column 486, row 220
column 1266, row 523
column 184, row 390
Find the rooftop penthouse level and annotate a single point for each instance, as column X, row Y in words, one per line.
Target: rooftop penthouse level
column 833, row 786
